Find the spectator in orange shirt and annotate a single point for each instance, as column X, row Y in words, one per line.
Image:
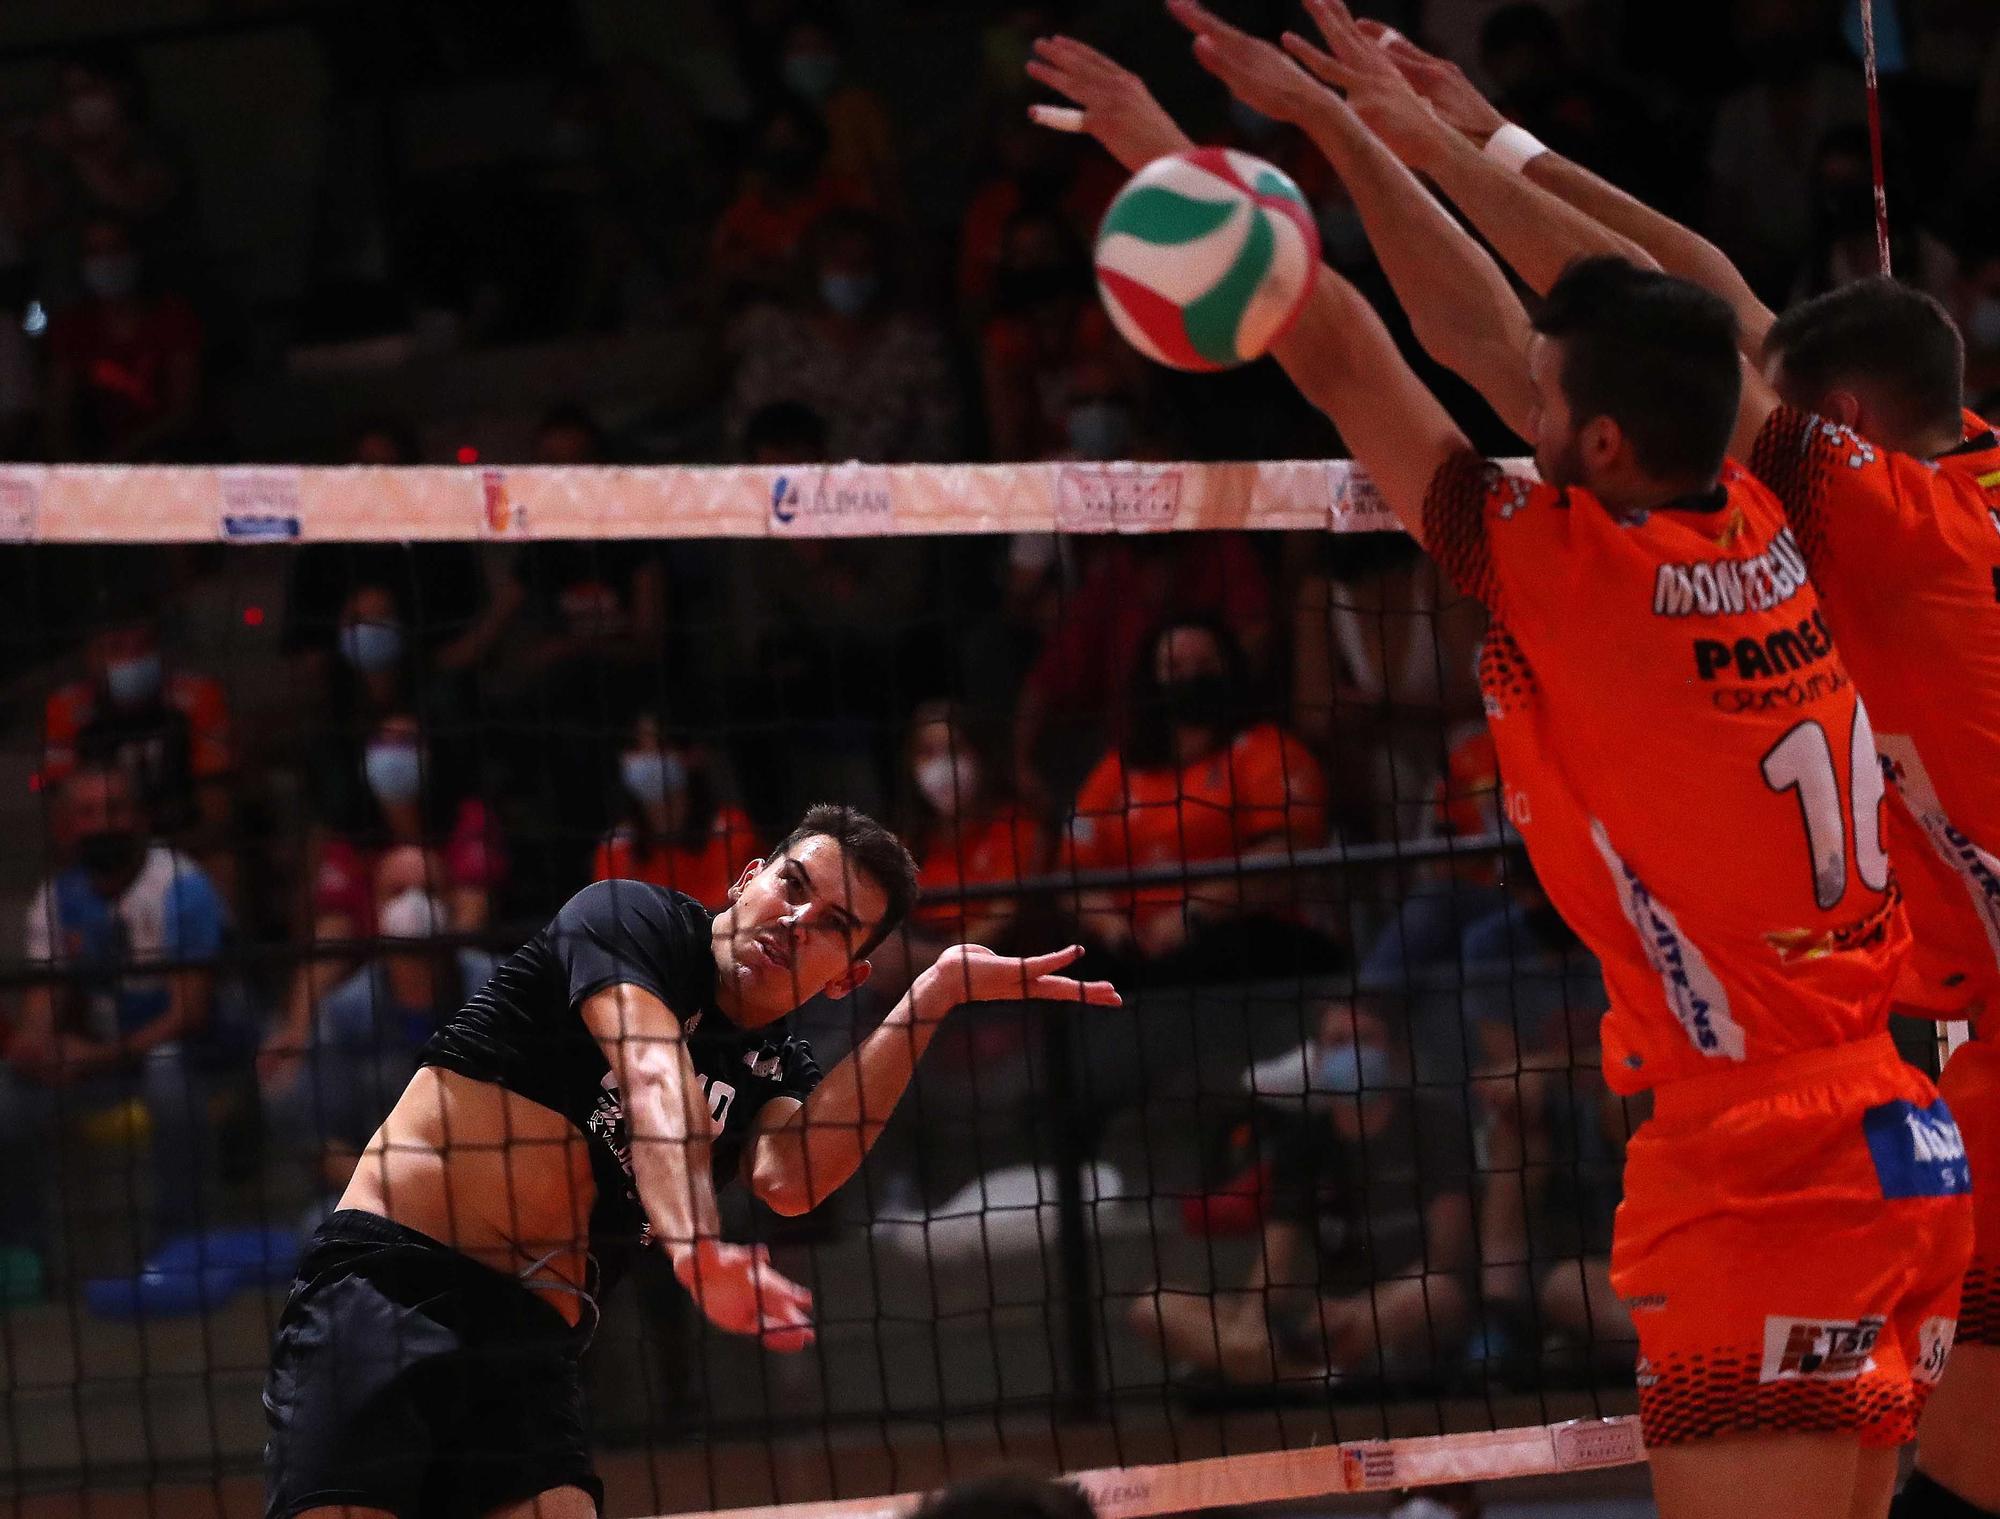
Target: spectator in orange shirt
column 788, row 188
column 1199, row 780
column 965, row 830
column 167, row 729
column 676, row 831
column 861, row 144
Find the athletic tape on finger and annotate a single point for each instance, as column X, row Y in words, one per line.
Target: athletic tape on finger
column 1057, row 118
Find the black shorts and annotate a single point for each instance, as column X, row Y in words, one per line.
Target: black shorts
column 409, row 1377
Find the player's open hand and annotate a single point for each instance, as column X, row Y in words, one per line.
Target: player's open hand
column 1257, row 72
column 1357, row 64
column 740, row 1291
column 973, row 973
column 1456, row 99
column 1108, row 101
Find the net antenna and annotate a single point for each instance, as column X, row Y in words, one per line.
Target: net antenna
column 1874, row 87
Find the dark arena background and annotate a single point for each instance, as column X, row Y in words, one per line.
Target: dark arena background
column 456, row 452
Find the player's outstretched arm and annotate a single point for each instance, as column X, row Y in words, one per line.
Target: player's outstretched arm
column 1675, row 248
column 668, row 1124
column 807, row 1151
column 1535, row 231
column 1343, row 360
column 1460, row 304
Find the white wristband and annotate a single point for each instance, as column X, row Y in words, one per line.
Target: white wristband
column 1513, row 148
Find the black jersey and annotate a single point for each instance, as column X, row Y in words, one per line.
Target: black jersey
column 524, row 1031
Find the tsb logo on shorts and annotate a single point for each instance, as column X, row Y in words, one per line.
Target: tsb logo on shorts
column 1818, row 1350
column 1918, row 1152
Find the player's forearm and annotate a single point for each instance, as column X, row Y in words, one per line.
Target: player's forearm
column 1537, row 232
column 1459, row 302
column 1677, row 249
column 671, row 1151
column 1343, row 360
column 846, row 1113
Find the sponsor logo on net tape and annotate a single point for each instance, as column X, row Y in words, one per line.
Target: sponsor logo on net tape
column 20, row 505
column 1109, row 498
column 836, row 501
column 1818, row 1350
column 501, row 516
column 1586, row 1443
column 1358, row 506
column 260, row 505
column 1368, row 1467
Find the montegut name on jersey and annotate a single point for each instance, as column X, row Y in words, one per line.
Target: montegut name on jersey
column 1715, row 587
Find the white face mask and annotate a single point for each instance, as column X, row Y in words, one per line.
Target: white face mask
column 412, row 914
column 948, row 781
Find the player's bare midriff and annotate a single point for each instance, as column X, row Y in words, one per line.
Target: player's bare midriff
column 501, row 1179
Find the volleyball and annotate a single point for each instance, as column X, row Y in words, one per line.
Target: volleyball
column 1206, row 258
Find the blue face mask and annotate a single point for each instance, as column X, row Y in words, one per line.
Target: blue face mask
column 1350, row 1070
column 395, row 772
column 133, row 682
column 812, row 75
column 372, row 646
column 653, row 776
column 1099, row 430
column 848, row 294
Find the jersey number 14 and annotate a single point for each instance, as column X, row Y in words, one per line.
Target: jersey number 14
column 1802, row 761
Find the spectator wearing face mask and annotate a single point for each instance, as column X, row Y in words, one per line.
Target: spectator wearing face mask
column 1198, row 779
column 877, row 374
column 407, row 790
column 1047, row 326
column 436, row 592
column 1368, row 1252
column 360, row 1046
column 675, row 829
column 965, row 830
column 860, row 138
column 125, row 370
column 123, row 943
column 787, row 190
column 166, row 726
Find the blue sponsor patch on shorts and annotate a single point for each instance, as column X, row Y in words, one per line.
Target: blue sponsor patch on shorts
column 1918, row 1151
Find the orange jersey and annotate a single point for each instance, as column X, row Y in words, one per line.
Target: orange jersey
column 1906, row 553
column 194, row 703
column 1677, row 737
column 1005, row 846
column 705, row 873
column 1265, row 783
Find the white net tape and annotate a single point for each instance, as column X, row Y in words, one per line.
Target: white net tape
column 184, row 504
column 1178, row 1487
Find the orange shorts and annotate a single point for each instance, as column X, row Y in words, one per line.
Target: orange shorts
column 1791, row 1245
column 1971, row 1084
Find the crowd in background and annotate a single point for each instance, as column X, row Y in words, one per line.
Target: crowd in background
column 249, row 929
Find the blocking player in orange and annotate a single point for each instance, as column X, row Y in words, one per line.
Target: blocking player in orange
column 1796, row 1222
column 1893, row 492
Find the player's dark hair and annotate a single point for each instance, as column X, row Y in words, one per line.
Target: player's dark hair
column 1007, row 1496
column 1655, row 354
column 1877, row 334
column 873, row 850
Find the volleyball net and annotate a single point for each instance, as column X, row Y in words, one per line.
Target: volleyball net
column 293, row 753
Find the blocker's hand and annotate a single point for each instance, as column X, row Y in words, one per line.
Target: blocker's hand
column 1442, row 83
column 1257, row 72
column 1118, row 110
column 739, row 1291
column 1382, row 95
column 973, row 973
